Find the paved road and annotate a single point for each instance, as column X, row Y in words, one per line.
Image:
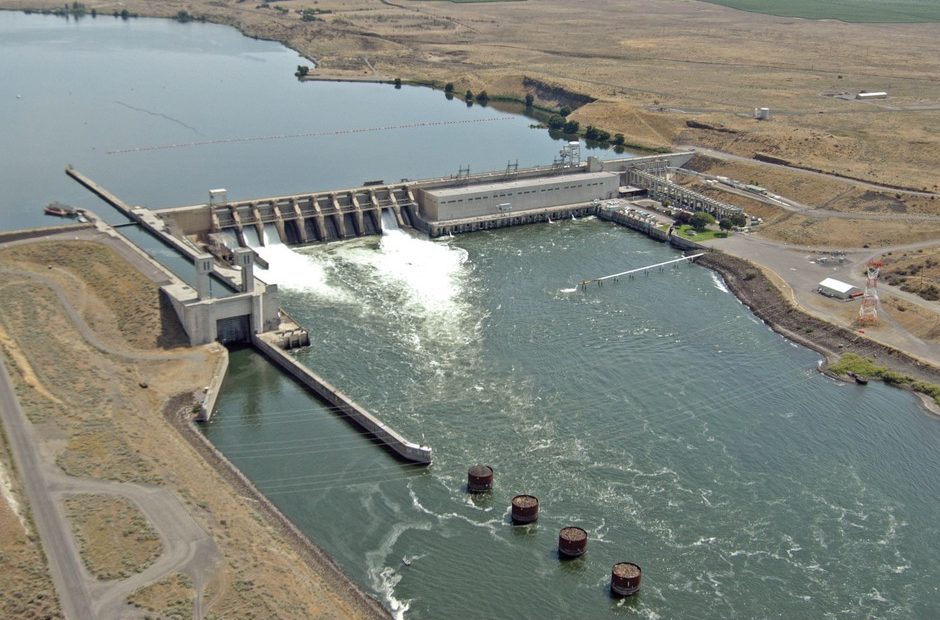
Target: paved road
column 65, row 565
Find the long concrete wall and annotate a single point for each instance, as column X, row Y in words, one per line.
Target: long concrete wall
column 351, row 212
column 405, row 449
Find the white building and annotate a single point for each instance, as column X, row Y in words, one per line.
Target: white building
column 831, row 287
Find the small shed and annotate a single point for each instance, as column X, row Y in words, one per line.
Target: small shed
column 876, row 95
column 831, row 287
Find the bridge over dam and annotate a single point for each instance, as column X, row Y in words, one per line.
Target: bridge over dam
column 439, row 206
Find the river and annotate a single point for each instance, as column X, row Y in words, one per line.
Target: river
column 656, row 413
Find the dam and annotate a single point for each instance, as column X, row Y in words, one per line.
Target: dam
column 436, row 207
column 660, row 414
column 221, row 237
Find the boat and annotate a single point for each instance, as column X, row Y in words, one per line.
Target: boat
column 859, row 379
column 60, row 210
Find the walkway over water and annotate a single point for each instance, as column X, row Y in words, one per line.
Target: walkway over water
column 646, row 270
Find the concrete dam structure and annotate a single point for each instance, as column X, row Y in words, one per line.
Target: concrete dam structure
column 219, row 237
column 442, row 206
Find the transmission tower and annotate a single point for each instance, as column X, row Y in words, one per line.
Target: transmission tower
column 868, row 311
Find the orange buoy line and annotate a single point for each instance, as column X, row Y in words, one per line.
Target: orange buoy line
column 308, row 134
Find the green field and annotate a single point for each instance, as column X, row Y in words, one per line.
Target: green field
column 897, row 11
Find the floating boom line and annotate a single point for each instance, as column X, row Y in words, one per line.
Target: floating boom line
column 630, row 272
column 308, row 134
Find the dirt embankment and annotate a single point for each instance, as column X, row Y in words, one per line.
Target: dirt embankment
column 755, row 290
column 177, row 413
column 94, row 395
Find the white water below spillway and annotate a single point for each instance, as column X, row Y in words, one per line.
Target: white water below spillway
column 230, row 239
column 429, row 272
column 271, row 236
column 251, row 237
column 388, row 221
column 288, row 268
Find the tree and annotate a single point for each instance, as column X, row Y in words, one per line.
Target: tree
column 468, row 95
column 556, row 122
column 183, row 17
column 590, row 133
column 725, row 224
column 738, row 219
column 618, row 139
column 302, row 70
column 397, row 82
column 701, row 220
column 572, row 127
column 565, row 110
column 449, row 87
column 125, row 14
column 482, row 97
column 529, row 100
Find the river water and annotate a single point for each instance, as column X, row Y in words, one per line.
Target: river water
column 656, row 413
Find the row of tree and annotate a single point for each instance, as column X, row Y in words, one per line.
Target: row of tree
column 700, row 220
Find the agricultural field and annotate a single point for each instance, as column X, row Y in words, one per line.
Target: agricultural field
column 862, row 11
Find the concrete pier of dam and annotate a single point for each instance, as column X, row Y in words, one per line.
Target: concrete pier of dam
column 406, row 450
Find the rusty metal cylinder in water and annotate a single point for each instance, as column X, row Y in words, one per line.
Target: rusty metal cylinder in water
column 479, row 478
column 572, row 542
column 625, row 579
column 525, row 509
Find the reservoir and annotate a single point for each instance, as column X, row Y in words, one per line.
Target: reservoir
column 657, row 413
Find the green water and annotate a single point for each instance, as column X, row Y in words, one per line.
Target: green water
column 656, row 413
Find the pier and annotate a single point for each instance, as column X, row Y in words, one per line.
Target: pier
column 631, row 272
column 407, row 450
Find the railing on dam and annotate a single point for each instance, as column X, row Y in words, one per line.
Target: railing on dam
column 662, row 189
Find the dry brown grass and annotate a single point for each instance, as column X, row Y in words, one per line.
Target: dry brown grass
column 914, row 271
column 847, row 233
column 109, row 427
column 171, row 598
column 688, row 59
column 113, row 536
column 123, row 298
column 26, row 587
column 650, row 66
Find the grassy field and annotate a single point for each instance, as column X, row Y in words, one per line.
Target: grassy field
column 690, row 233
column 862, row 11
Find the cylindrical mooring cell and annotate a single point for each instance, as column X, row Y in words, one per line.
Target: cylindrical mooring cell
column 625, row 579
column 479, row 478
column 525, row 509
column 572, row 542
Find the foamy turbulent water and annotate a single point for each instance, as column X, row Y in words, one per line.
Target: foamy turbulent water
column 655, row 413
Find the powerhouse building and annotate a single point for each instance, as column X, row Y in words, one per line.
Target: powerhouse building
column 455, row 203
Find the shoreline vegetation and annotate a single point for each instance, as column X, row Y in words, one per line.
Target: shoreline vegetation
column 844, row 350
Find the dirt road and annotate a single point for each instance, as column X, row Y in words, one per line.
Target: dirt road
column 801, row 270
column 65, row 565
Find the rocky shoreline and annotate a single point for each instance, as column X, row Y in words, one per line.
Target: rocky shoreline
column 178, row 413
column 755, row 290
